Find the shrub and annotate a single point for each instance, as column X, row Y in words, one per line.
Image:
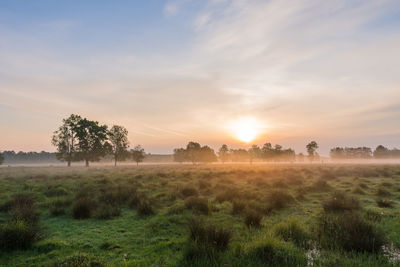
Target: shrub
column 80, row 261
column 253, row 218
column 106, row 211
column 57, row 207
column 382, row 192
column 209, row 235
column 56, row 191
column 238, row 207
column 279, row 184
column 227, row 195
column 204, row 184
column 189, row 191
column 25, row 213
column 134, row 200
column 294, row 231
column 82, row 208
column 144, row 208
column 272, row 252
column 348, row 231
column 385, row 203
column 278, row 200
column 197, row 204
column 358, row 190
column 320, row 185
column 17, row 235
column 339, row 202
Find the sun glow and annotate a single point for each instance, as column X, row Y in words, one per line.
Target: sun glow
column 245, row 129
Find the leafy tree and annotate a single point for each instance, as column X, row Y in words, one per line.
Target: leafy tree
column 300, row 157
column 1, row 158
column 223, row 153
column 254, row 153
column 239, row 155
column 311, row 149
column 118, row 137
column 381, row 152
column 92, row 141
column 193, row 152
column 65, row 139
column 138, row 154
column 207, row 155
column 180, row 155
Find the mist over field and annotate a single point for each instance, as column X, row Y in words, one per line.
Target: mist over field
column 199, row 133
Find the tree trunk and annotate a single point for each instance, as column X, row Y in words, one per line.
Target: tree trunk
column 86, row 163
column 115, row 162
column 137, row 163
column 69, row 163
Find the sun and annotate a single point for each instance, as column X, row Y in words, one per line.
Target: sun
column 245, row 129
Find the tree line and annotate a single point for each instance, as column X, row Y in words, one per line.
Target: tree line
column 380, row 152
column 80, row 139
column 195, row 153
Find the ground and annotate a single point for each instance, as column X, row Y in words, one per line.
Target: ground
column 147, row 215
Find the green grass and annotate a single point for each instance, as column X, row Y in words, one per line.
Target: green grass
column 140, row 216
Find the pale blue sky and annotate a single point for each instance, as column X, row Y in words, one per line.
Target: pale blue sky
column 173, row 71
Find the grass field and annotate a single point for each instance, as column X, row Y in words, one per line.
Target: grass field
column 209, row 215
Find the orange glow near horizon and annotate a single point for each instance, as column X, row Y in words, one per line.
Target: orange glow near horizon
column 245, row 129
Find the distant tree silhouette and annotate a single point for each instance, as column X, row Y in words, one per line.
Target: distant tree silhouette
column 65, row 139
column 254, row 153
column 382, row 152
column 193, row 152
column 1, row 158
column 239, row 155
column 138, row 154
column 207, row 155
column 92, row 141
column 180, row 155
column 223, row 153
column 118, row 137
column 300, row 157
column 311, row 149
column 350, row 153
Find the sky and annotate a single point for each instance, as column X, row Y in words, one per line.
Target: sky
column 173, row 71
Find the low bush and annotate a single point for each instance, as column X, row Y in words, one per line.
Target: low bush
column 253, row 218
column 227, row 195
column 58, row 207
column 80, row 260
column 340, row 202
column 17, row 234
column 83, row 208
column 145, row 208
column 189, row 192
column 382, row 192
column 348, row 231
column 293, row 231
column 384, row 203
column 279, row 200
column 238, row 207
column 320, row 186
column 197, row 204
column 209, row 235
column 107, row 211
column 272, row 252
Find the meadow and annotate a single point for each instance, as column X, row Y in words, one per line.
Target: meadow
column 201, row 215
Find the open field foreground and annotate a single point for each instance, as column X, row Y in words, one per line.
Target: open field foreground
column 208, row 215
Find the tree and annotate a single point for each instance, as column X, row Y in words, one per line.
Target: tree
column 300, row 157
column 65, row 139
column 118, row 137
column 1, row 158
column 207, row 155
column 311, row 149
column 223, row 153
column 254, row 153
column 138, row 154
column 179, row 155
column 381, row 152
column 92, row 141
column 193, row 152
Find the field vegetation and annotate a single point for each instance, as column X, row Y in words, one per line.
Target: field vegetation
column 201, row 215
